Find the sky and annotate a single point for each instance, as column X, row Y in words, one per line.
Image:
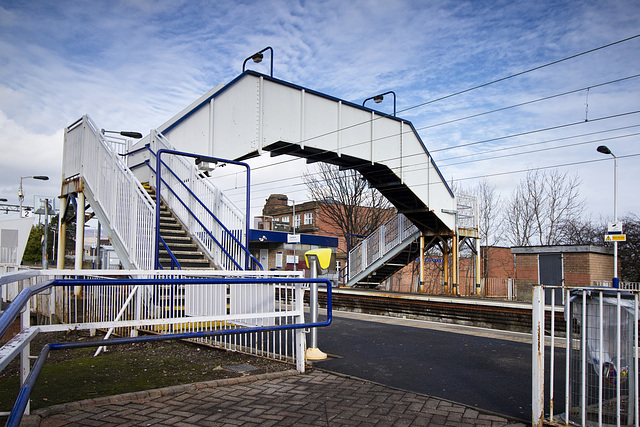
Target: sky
column 133, row 64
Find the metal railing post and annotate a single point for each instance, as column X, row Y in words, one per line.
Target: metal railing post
column 537, row 335
column 25, row 363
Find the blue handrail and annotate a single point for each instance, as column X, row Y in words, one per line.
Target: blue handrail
column 174, row 261
column 198, row 219
column 20, row 301
column 198, row 157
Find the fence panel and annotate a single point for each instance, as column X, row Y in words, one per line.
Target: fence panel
column 592, row 365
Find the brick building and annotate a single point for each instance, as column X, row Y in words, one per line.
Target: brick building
column 570, row 265
column 309, row 218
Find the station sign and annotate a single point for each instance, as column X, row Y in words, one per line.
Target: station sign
column 293, row 238
column 614, row 227
column 615, row 237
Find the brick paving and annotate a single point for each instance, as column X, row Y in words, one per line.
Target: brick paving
column 316, row 398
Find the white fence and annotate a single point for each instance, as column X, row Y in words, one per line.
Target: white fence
column 117, row 195
column 127, row 309
column 380, row 242
column 588, row 350
column 504, row 289
column 187, row 184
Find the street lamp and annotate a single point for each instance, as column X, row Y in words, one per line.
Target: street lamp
column 293, row 220
column 605, row 150
column 257, row 58
column 378, row 99
column 21, row 193
column 126, row 133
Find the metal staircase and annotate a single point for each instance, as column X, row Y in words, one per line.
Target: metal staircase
column 198, row 226
column 384, row 252
column 181, row 247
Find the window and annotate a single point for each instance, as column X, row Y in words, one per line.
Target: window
column 296, row 221
column 308, row 218
column 285, row 219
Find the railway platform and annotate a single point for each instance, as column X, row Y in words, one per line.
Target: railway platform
column 283, row 398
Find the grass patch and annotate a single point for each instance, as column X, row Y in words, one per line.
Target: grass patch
column 73, row 375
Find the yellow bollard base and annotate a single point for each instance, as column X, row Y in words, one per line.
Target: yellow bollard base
column 315, row 354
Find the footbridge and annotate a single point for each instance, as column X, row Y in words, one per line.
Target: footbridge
column 253, row 115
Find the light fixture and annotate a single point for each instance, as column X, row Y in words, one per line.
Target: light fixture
column 21, row 192
column 378, row 99
column 125, row 133
column 605, row 150
column 257, row 58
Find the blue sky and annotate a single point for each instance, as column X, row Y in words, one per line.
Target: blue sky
column 134, row 64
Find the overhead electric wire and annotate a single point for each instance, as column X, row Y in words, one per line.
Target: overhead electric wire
column 521, row 73
column 537, row 130
column 513, row 147
column 541, row 150
column 546, row 98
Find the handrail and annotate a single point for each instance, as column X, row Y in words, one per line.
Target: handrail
column 23, row 297
column 159, row 164
column 198, row 219
column 174, row 261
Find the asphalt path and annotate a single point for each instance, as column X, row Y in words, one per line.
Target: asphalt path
column 472, row 366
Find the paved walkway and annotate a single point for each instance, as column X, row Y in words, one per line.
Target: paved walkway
column 316, row 398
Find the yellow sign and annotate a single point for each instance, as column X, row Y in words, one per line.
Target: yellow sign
column 615, row 238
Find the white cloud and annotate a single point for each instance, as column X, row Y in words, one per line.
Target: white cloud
column 133, row 64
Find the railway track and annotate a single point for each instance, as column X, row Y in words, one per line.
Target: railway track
column 502, row 315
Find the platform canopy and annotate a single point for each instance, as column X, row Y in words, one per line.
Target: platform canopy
column 256, row 114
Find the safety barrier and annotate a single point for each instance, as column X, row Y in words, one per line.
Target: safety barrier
column 117, row 196
column 260, row 314
column 592, row 367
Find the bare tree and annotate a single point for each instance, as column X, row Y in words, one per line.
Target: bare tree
column 489, row 218
column 347, row 201
column 542, row 207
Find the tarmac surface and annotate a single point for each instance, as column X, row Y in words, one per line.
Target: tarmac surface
column 343, row 397
column 316, row 398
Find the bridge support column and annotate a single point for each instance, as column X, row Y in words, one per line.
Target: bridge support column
column 477, row 270
column 62, row 234
column 80, row 201
column 421, row 284
column 455, row 251
column 445, row 265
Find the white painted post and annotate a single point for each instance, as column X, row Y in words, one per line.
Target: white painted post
column 537, row 335
column 25, row 363
column 300, row 343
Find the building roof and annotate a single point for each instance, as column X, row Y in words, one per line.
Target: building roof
column 281, row 237
column 562, row 249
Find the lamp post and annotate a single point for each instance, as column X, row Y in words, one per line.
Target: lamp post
column 293, row 221
column 378, row 99
column 125, row 133
column 605, row 150
column 257, row 58
column 21, row 192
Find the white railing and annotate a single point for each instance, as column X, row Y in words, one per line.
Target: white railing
column 125, row 204
column 380, row 242
column 498, row 288
column 126, row 309
column 215, row 201
column 593, row 357
column 630, row 286
column 467, row 208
